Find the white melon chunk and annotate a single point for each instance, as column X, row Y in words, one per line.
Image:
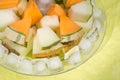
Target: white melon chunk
column 51, row 21
column 21, row 50
column 7, row 16
column 14, row 36
column 47, row 37
column 80, row 11
column 54, row 63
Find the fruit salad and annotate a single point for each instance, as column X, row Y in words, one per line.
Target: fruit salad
column 42, row 36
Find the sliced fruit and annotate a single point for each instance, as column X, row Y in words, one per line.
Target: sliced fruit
column 72, row 2
column 39, row 52
column 50, row 21
column 58, row 49
column 70, row 38
column 14, row 36
column 21, row 6
column 22, row 26
column 7, row 16
column 56, row 10
column 8, row 3
column 80, row 11
column 67, row 26
column 18, row 49
column 70, row 45
column 32, row 11
column 47, row 37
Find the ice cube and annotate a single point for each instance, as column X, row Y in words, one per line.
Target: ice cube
column 75, row 58
column 85, row 45
column 12, row 59
column 55, row 63
column 25, row 66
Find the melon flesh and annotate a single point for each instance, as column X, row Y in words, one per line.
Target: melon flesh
column 80, row 11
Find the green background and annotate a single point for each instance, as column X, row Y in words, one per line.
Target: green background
column 105, row 65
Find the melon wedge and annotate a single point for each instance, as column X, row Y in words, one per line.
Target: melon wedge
column 8, row 3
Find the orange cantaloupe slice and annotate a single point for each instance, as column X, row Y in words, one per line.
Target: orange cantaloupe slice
column 8, row 3
column 22, row 26
column 72, row 2
column 56, row 10
column 67, row 26
column 32, row 11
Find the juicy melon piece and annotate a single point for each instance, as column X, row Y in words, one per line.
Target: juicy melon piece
column 14, row 36
column 80, row 11
column 72, row 2
column 38, row 52
column 7, row 16
column 8, row 3
column 51, row 21
column 22, row 26
column 56, row 10
column 32, row 11
column 47, row 37
column 67, row 26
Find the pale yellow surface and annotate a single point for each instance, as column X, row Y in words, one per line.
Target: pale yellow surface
column 105, row 65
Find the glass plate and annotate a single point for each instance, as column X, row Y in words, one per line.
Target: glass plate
column 95, row 43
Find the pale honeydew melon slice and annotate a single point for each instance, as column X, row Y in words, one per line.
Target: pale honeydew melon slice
column 7, row 16
column 16, row 48
column 71, row 37
column 47, row 37
column 15, row 36
column 39, row 52
column 50, row 21
column 80, row 11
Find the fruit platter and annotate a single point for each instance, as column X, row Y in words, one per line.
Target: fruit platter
column 47, row 37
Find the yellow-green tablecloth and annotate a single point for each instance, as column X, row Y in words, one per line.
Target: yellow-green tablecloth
column 105, row 65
